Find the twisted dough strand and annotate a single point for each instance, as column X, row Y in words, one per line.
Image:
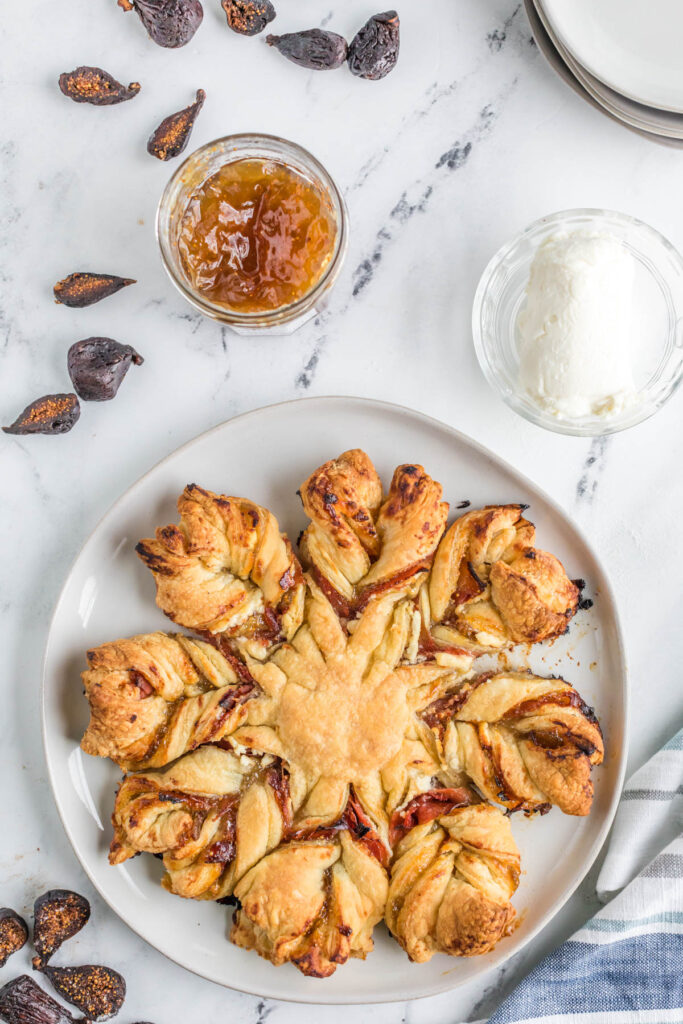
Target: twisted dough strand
column 489, row 586
column 315, row 900
column 525, row 742
column 451, row 884
column 357, row 545
column 226, row 569
column 342, row 499
column 156, row 696
column 212, row 816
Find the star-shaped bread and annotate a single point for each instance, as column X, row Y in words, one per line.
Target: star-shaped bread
column 321, row 752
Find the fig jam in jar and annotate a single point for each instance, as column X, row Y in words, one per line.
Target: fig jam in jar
column 252, row 230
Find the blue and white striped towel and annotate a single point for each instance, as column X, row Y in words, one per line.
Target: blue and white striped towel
column 625, row 966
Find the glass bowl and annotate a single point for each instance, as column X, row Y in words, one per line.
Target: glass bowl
column 658, row 329
column 193, row 172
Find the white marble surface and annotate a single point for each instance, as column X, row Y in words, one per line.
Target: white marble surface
column 469, row 139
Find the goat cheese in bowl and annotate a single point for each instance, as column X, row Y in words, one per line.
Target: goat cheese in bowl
column 576, row 322
column 575, row 327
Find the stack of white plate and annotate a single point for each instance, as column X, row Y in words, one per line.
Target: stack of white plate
column 622, row 56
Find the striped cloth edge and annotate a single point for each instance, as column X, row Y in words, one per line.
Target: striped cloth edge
column 625, row 965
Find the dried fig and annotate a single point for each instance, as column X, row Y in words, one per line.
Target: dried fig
column 172, row 135
column 81, row 289
column 93, row 85
column 24, row 1002
column 373, row 51
column 170, row 23
column 51, row 414
column 13, row 934
column 98, row 365
column 98, row 992
column 314, row 48
column 58, row 915
column 248, row 17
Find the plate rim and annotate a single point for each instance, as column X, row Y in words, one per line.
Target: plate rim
column 551, row 12
column 432, row 421
column 558, row 63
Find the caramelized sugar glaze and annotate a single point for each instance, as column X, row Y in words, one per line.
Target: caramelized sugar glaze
column 256, row 236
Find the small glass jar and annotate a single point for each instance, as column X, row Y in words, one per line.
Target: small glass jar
column 658, row 318
column 193, row 172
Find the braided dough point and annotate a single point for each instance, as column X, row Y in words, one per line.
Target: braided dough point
column 526, row 742
column 451, row 884
column 410, row 524
column 314, row 904
column 157, row 696
column 490, row 587
column 227, row 569
column 212, row 815
column 361, row 545
column 342, row 499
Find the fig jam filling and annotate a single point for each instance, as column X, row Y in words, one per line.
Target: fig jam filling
column 256, row 236
column 353, row 820
column 426, row 807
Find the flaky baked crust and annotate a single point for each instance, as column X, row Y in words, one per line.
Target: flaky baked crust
column 451, row 884
column 226, row 569
column 212, row 815
column 490, row 587
column 326, row 758
column 526, row 742
column 314, row 904
column 157, row 696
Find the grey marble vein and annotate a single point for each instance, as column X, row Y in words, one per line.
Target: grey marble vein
column 593, row 468
column 497, row 38
column 453, row 159
column 305, row 378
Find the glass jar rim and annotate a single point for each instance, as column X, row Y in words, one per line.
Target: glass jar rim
column 235, row 143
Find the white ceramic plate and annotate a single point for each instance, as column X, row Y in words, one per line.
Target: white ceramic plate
column 579, row 80
column 265, row 455
column 634, row 46
column 643, row 119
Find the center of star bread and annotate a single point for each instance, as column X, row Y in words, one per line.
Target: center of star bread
column 344, row 728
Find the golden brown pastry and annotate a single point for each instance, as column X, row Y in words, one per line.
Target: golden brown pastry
column 315, row 900
column 357, row 751
column 156, row 696
column 227, row 569
column 452, row 879
column 212, row 816
column 490, row 587
column 342, row 499
column 358, row 545
column 525, row 742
